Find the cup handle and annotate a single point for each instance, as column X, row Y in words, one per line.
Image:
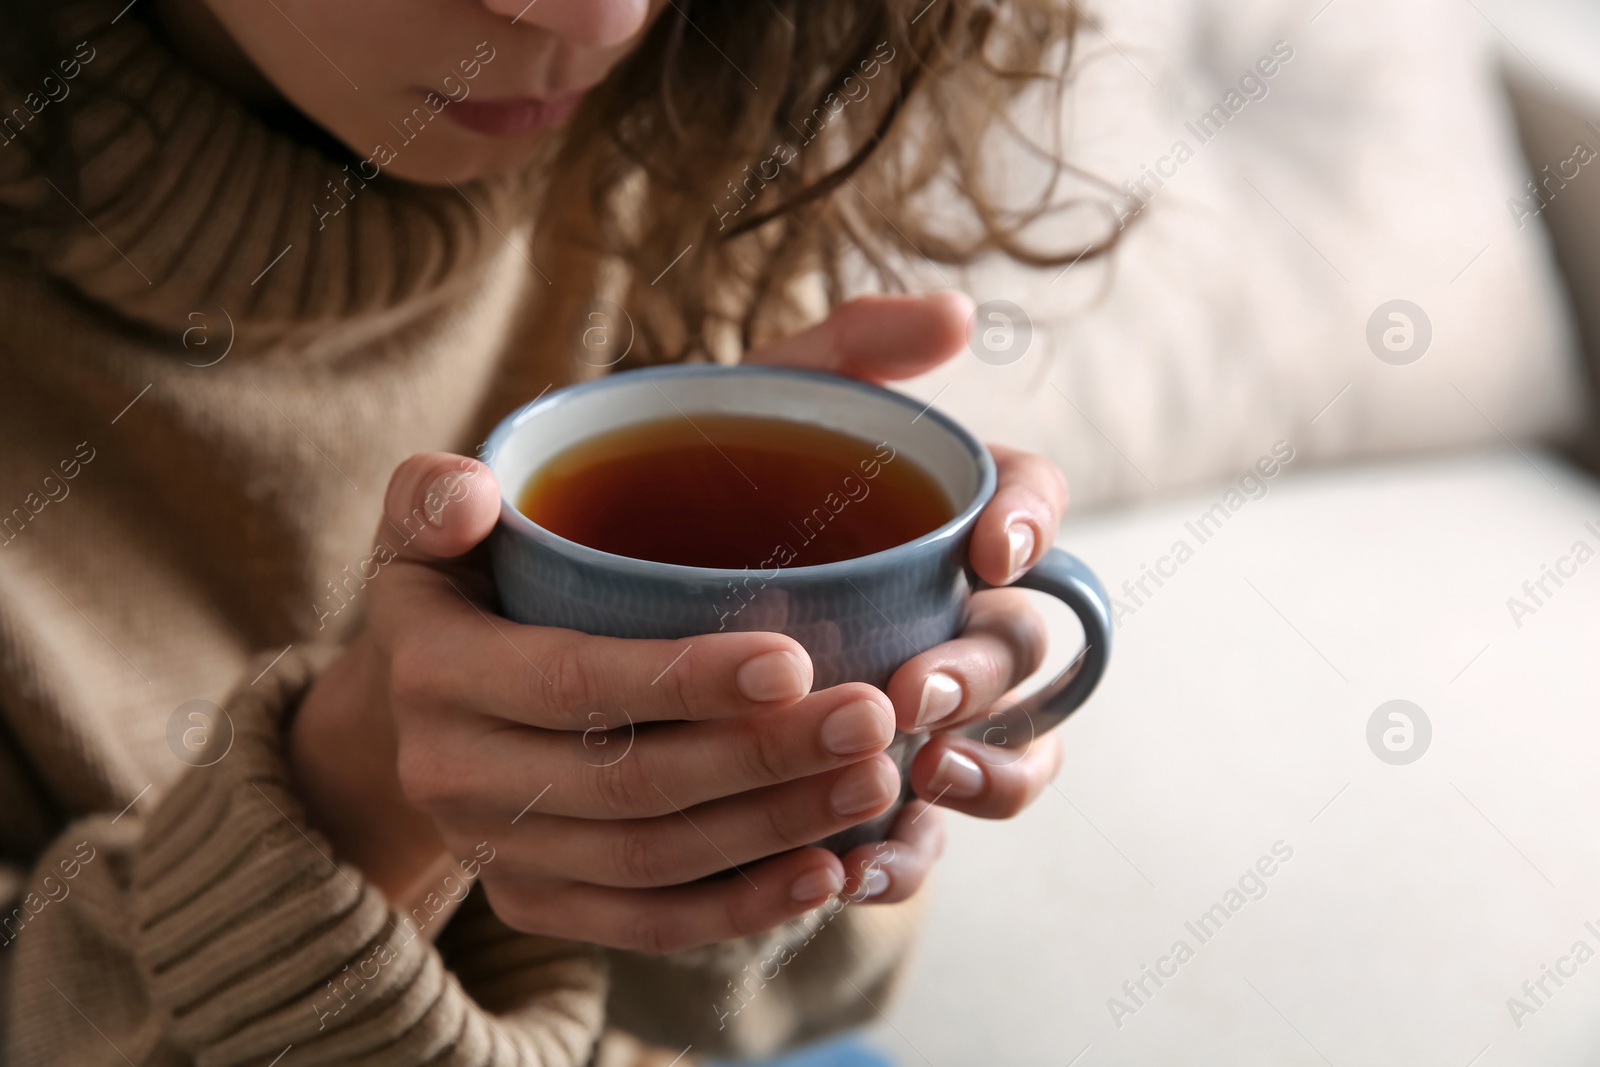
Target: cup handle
column 1068, row 579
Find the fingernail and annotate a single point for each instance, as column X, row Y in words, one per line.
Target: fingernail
column 956, row 776
column 817, row 884
column 862, row 788
column 941, row 696
column 857, row 727
column 437, row 496
column 1021, row 537
column 773, row 676
column 873, row 882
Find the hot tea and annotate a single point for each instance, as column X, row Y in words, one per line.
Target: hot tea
column 734, row 491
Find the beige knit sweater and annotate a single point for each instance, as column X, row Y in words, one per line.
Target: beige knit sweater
column 200, row 404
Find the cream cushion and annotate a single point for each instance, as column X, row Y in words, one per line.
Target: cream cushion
column 1418, row 899
column 1235, row 311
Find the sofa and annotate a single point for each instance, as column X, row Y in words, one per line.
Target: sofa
column 1335, row 802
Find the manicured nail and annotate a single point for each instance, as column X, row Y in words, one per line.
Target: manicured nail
column 956, row 776
column 873, row 882
column 1021, row 538
column 773, row 676
column 437, row 497
column 857, row 727
column 862, row 788
column 941, row 696
column 817, row 884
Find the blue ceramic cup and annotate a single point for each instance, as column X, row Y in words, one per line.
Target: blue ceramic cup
column 859, row 619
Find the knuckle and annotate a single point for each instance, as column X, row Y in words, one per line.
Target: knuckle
column 1009, row 617
column 784, row 826
column 680, row 687
column 743, row 916
column 619, row 789
column 763, row 760
column 567, row 686
column 637, row 858
column 654, row 934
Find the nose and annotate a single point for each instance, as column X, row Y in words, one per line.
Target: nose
column 586, row 23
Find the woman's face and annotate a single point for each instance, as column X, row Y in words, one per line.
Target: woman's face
column 430, row 90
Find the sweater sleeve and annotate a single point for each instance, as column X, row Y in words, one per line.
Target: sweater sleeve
column 217, row 929
column 838, row 966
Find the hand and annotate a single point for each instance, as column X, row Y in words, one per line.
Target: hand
column 444, row 726
column 887, row 338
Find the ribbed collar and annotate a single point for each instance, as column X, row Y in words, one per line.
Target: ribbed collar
column 190, row 202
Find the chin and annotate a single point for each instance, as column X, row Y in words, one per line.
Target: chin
column 455, row 168
column 441, row 154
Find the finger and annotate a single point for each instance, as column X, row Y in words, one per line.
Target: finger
column 878, row 338
column 892, row 870
column 438, row 506
column 437, row 509
column 990, row 782
column 565, row 680
column 694, row 842
column 1019, row 523
column 672, row 919
column 633, row 773
column 1004, row 641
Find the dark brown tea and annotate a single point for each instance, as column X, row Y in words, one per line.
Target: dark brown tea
column 734, row 491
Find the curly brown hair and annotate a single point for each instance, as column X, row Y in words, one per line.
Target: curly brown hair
column 777, row 140
column 757, row 148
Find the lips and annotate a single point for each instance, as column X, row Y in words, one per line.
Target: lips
column 512, row 117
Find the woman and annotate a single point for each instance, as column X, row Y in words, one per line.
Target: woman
column 258, row 255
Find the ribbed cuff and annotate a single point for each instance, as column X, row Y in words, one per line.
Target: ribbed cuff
column 252, row 938
column 836, row 967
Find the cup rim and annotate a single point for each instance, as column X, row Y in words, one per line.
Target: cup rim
column 513, row 519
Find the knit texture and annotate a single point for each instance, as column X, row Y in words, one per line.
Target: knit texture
column 242, row 936
column 201, row 399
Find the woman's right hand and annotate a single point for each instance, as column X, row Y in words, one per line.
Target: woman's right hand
column 607, row 775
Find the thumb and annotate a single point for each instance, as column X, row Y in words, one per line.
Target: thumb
column 879, row 338
column 439, row 506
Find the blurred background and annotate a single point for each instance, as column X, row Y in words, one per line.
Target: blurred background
column 1348, row 752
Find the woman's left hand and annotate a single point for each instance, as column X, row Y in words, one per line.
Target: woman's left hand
column 882, row 338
